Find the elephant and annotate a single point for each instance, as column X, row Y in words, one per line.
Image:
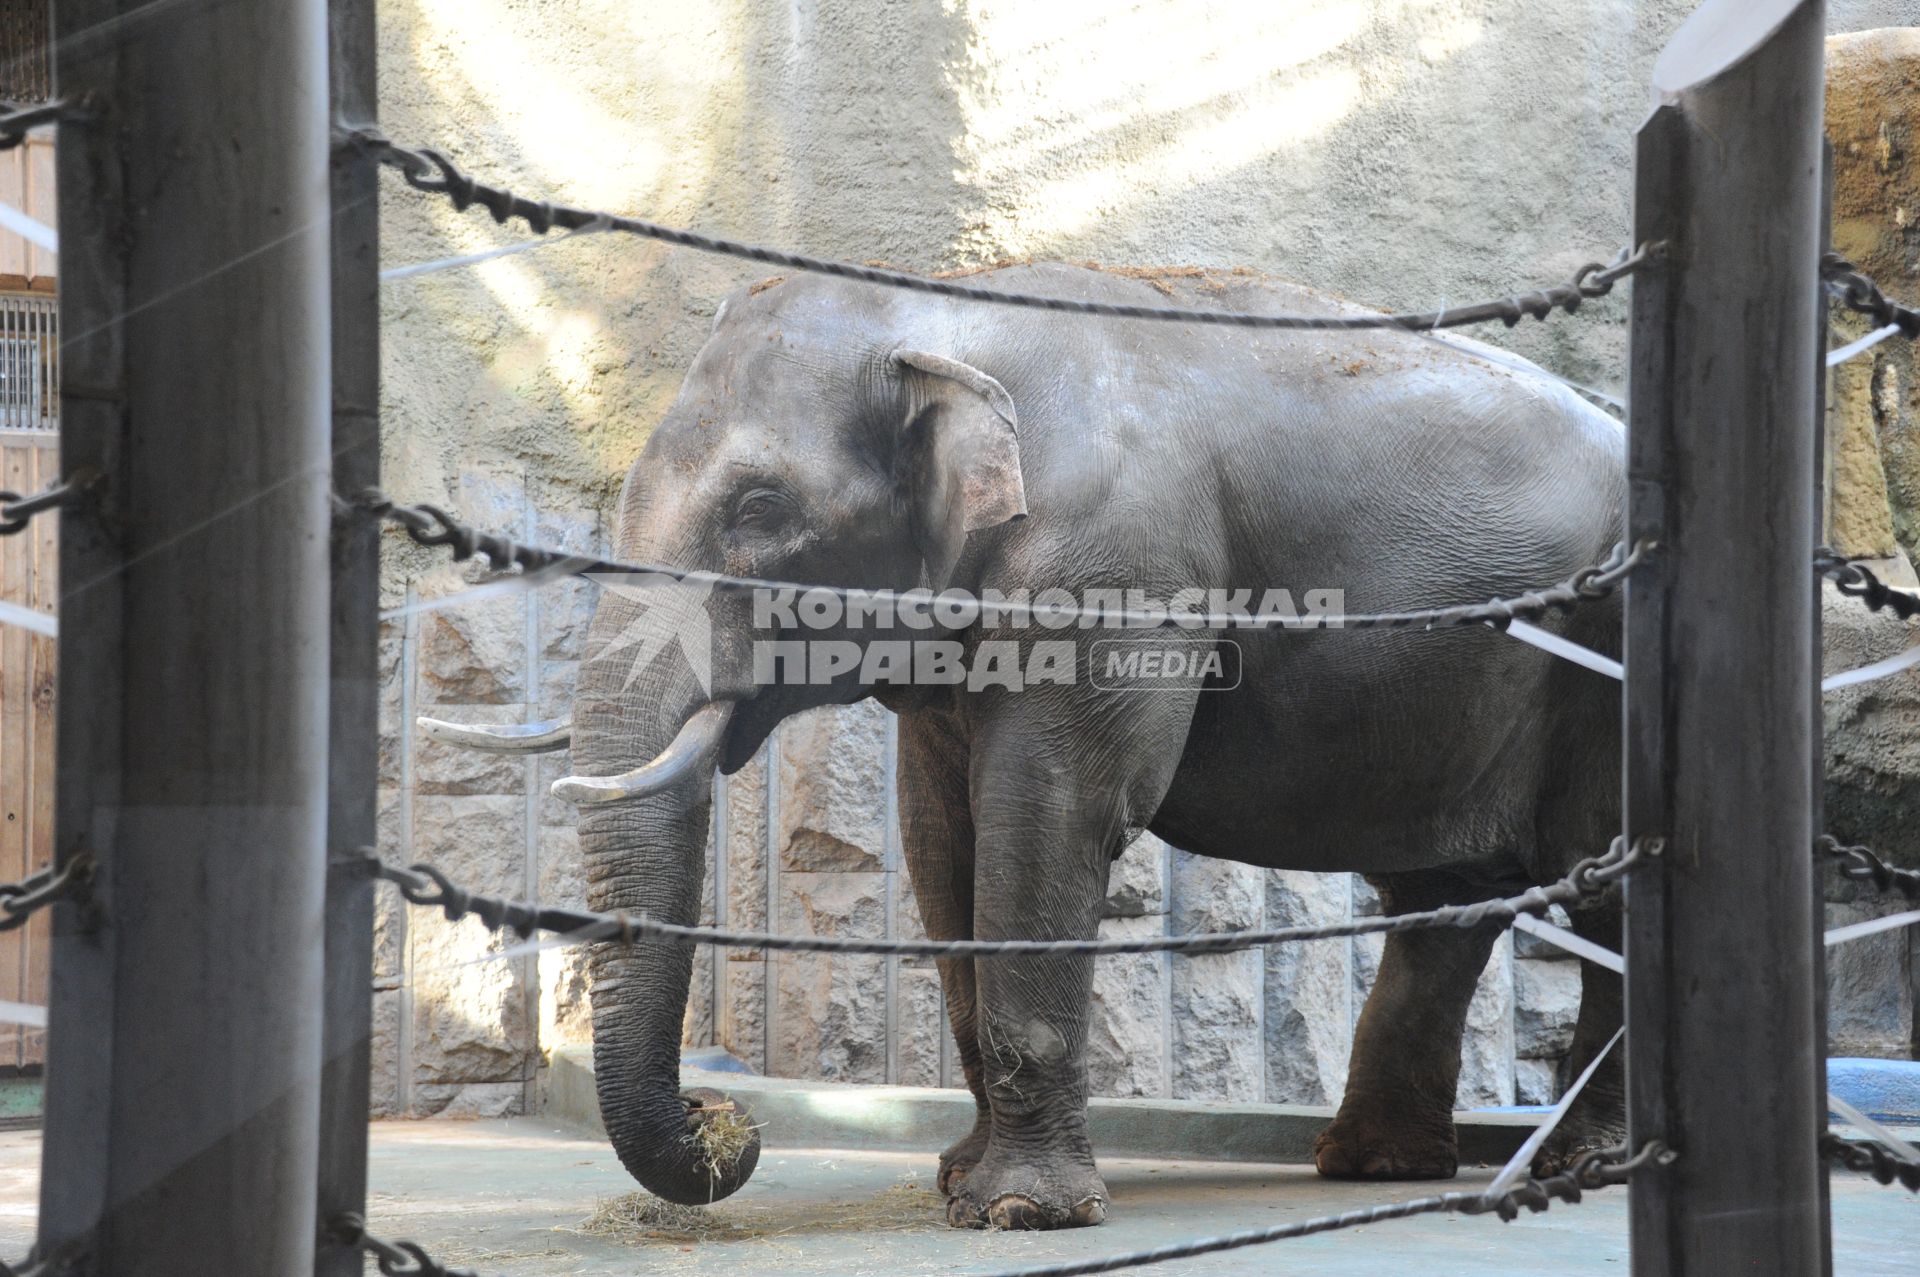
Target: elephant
column 835, row 433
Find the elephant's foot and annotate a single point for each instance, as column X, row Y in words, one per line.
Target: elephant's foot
column 1382, row 1148
column 1027, row 1192
column 958, row 1161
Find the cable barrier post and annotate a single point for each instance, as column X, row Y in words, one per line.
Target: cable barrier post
column 1721, row 951
column 183, row 1081
column 354, row 695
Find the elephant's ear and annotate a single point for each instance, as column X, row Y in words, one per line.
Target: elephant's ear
column 960, row 456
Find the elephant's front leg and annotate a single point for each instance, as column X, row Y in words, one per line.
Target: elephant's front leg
column 1050, row 811
column 1396, row 1119
column 1037, row 1169
column 936, row 839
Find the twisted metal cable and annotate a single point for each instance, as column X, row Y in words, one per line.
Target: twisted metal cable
column 427, row 886
column 18, row 120
column 432, row 172
column 1588, row 585
column 19, row 900
column 16, row 511
column 1870, row 1159
column 433, row 527
column 394, row 1259
column 1857, row 292
column 1589, row 1172
column 1860, row 864
column 1856, row 580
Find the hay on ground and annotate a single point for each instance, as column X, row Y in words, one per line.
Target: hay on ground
column 639, row 1218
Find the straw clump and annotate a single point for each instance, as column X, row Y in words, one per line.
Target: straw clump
column 639, row 1218
column 720, row 1138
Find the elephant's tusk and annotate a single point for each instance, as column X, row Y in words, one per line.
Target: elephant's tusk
column 690, row 756
column 509, row 738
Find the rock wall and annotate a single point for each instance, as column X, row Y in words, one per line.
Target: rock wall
column 1871, row 797
column 1873, row 766
column 1404, row 152
column 1873, row 119
column 460, row 1029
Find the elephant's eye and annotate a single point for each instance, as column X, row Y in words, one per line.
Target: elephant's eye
column 761, row 508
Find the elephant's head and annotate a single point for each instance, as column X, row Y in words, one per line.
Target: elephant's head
column 814, row 440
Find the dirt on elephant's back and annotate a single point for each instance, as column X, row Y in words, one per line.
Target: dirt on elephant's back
column 1210, row 279
column 641, row 1218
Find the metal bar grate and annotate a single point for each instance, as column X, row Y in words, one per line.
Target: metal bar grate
column 29, row 362
column 26, row 75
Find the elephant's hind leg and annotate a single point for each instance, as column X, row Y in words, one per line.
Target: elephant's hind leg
column 1396, row 1120
column 1598, row 1118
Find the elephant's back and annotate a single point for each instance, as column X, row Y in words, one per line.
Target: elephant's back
column 1401, row 473
column 1374, row 453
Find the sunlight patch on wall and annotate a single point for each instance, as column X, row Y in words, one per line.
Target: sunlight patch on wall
column 606, row 105
column 1048, row 76
column 568, row 337
column 1461, row 34
column 562, row 125
column 1205, row 149
column 1079, row 111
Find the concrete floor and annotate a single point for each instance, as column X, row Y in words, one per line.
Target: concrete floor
column 508, row 1197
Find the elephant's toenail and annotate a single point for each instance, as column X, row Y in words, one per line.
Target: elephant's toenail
column 1090, row 1211
column 962, row 1213
column 1015, row 1212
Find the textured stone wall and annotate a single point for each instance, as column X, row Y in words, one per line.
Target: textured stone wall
column 1873, row 766
column 459, row 1031
column 1402, row 152
column 1873, row 118
column 1872, row 792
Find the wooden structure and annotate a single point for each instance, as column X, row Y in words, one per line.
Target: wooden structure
column 353, row 718
column 27, row 184
column 183, row 1072
column 1723, row 956
column 29, row 461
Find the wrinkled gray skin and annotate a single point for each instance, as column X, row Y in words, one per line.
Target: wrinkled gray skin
column 1448, row 767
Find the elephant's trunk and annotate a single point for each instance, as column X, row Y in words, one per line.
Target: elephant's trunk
column 645, row 856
